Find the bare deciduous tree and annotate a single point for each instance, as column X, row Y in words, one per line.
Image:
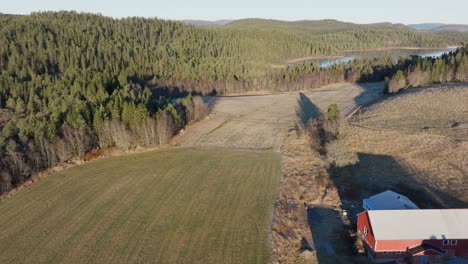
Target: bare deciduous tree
column 165, row 127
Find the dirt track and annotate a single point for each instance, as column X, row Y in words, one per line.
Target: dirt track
column 261, row 122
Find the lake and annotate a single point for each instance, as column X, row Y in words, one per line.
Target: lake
column 351, row 55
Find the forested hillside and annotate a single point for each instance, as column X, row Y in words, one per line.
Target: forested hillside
column 346, row 36
column 71, row 82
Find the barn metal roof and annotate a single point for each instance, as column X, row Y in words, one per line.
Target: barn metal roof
column 419, row 224
column 389, row 200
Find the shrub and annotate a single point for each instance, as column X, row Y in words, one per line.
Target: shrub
column 339, row 155
column 333, row 112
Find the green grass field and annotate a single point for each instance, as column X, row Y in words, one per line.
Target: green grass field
column 170, row 206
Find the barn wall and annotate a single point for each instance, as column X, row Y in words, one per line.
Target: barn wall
column 391, row 255
column 461, row 249
column 363, row 221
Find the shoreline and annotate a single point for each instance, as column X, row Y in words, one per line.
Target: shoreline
column 365, row 50
column 401, row 48
column 314, row 58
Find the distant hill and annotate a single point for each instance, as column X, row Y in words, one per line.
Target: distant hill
column 309, row 26
column 204, row 23
column 438, row 27
column 458, row 28
column 426, row 26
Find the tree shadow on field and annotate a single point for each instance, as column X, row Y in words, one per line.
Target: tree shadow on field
column 372, row 93
column 211, row 101
column 374, row 174
column 328, row 230
column 305, row 109
column 177, row 92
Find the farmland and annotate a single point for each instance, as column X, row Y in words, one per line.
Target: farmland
column 262, row 121
column 210, row 200
column 211, row 197
column 169, row 206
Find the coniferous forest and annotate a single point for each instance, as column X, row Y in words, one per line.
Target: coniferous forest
column 73, row 82
column 425, row 71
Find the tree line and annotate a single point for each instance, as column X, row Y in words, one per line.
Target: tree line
column 452, row 67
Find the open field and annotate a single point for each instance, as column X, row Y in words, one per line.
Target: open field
column 171, row 206
column 256, row 122
column 261, row 122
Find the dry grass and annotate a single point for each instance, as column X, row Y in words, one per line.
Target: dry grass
column 429, row 165
column 261, row 122
column 305, row 180
column 251, row 122
column 433, row 109
column 171, row 206
column 430, row 169
column 347, row 96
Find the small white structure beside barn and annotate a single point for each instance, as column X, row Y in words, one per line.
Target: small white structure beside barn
column 388, row 200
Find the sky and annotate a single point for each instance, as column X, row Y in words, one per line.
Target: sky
column 357, row 11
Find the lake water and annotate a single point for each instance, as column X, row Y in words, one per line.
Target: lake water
column 351, row 55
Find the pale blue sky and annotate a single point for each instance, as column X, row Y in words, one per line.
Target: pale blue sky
column 359, row 11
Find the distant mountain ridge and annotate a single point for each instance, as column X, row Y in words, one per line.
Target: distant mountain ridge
column 426, row 26
column 267, row 23
column 204, row 23
column 458, row 28
column 313, row 27
column 438, row 27
column 335, row 25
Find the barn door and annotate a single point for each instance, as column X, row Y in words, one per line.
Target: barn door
column 424, row 260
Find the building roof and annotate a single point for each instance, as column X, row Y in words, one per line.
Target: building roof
column 419, row 224
column 389, row 200
column 425, row 247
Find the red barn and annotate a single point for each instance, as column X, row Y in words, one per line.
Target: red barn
column 414, row 236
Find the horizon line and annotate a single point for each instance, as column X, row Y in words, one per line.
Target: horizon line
column 223, row 19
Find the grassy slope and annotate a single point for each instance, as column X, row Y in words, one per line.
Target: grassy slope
column 173, row 206
column 431, row 109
